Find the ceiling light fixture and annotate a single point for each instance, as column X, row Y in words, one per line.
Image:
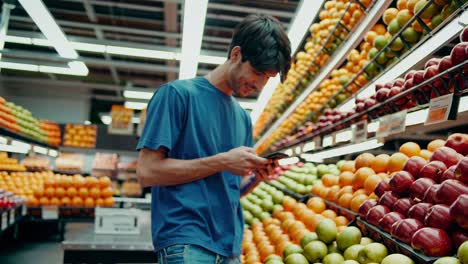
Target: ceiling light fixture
column 192, row 33
column 133, row 94
column 135, row 105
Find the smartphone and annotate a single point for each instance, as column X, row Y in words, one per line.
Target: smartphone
column 276, row 156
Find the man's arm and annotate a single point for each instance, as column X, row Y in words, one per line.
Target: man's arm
column 154, row 168
column 248, row 183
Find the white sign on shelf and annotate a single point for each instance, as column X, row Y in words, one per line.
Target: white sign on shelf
column 12, row 216
column 4, row 220
column 398, row 122
column 463, row 20
column 49, row 212
column 439, row 109
column 117, row 221
column 360, row 131
column 384, row 126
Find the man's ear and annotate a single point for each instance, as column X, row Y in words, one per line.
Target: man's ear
column 236, row 54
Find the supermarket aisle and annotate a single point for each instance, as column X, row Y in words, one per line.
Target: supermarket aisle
column 32, row 252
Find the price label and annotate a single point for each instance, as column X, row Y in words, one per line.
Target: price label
column 24, row 210
column 49, row 212
column 463, row 20
column 398, row 120
column 4, row 220
column 12, row 216
column 384, row 126
column 360, row 131
column 117, row 221
column 439, row 109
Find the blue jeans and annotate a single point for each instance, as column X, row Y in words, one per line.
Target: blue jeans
column 192, row 254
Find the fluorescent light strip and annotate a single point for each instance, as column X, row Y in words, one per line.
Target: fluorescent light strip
column 76, row 68
column 46, row 23
column 106, row 119
column 414, row 57
column 144, row 53
column 192, row 33
column 135, row 105
column 288, row 161
column 40, row 150
column 137, row 94
column 339, row 151
column 304, row 16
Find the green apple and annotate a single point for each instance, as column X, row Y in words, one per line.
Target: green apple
column 352, row 252
column 296, row 258
column 307, row 238
column 333, row 248
column 351, row 235
column 267, row 205
column 273, row 257
column 333, row 258
column 463, row 253
column 274, row 261
column 326, row 231
column 374, row 252
column 397, row 258
column 366, row 241
column 350, row 261
column 447, row 260
column 291, row 249
column 315, row 250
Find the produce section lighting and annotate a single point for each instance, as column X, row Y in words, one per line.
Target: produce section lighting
column 20, row 144
column 353, row 148
column 87, row 122
column 192, row 33
column 302, row 20
column 144, row 53
column 288, row 161
column 137, row 94
column 135, row 105
column 40, row 150
column 107, row 119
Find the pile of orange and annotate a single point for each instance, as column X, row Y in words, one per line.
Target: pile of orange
column 47, row 188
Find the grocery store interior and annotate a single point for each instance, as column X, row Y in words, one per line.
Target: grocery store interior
column 373, row 115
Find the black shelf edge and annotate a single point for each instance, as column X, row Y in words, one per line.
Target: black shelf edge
column 26, row 139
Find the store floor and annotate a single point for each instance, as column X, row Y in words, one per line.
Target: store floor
column 46, row 252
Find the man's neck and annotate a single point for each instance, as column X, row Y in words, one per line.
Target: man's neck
column 218, row 78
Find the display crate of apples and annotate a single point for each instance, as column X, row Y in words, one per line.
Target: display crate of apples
column 10, row 164
column 80, row 136
column 405, row 25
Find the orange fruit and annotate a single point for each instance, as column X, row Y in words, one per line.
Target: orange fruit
column 389, row 15
column 65, row 201
column 91, row 181
column 104, row 182
column 346, row 178
column 435, row 144
column 425, row 154
column 345, row 200
column 361, row 176
column 359, row 191
column 373, row 196
column 370, row 36
column 329, row 180
column 77, row 201
column 38, row 192
column 341, row 221
column 89, row 202
column 66, row 181
column 33, row 202
column 59, row 192
column 397, row 161
column 72, row 192
column 316, row 204
column 348, row 166
column 401, row 4
column 94, row 192
column 49, row 192
column 329, row 214
column 345, row 189
column 380, row 163
column 379, row 29
column 357, row 201
column 44, row 201
column 364, row 160
column 371, row 182
column 410, row 149
column 108, row 192
column 83, row 192
column 54, row 201
column 317, row 188
column 410, row 5
column 332, row 194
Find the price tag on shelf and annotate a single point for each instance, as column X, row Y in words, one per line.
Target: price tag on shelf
column 117, row 221
column 439, row 109
column 49, row 212
column 384, row 126
column 24, row 210
column 463, row 20
column 360, row 131
column 4, row 220
column 12, row 216
column 397, row 124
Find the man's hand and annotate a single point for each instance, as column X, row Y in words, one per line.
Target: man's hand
column 267, row 173
column 242, row 161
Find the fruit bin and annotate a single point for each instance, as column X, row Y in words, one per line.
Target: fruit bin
column 339, row 209
column 298, row 197
column 65, row 213
column 391, row 243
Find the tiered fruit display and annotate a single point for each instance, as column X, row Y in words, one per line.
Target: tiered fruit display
column 425, row 204
column 336, row 19
column 52, row 131
column 47, row 188
column 81, row 136
column 394, row 18
column 10, row 164
column 20, row 120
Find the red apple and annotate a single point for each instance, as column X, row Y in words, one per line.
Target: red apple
column 459, row 211
column 382, row 187
column 359, row 100
column 401, row 182
column 418, row 77
column 419, row 211
column 439, row 216
column 414, row 166
column 388, row 199
column 382, row 94
column 388, row 85
column 461, row 170
column 458, row 54
column 429, row 196
column 376, row 213
column 403, row 205
column 433, row 170
column 394, row 91
column 449, row 174
column 464, row 35
column 398, row 82
column 366, row 206
column 404, row 229
column 409, row 75
column 431, row 72
column 389, row 219
column 419, row 188
column 430, row 62
column 408, row 85
column 444, row 64
column 449, row 191
column 458, row 142
column 360, row 107
column 433, row 242
column 379, row 86
column 458, row 237
column 369, row 102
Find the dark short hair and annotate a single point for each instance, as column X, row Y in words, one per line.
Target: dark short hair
column 263, row 43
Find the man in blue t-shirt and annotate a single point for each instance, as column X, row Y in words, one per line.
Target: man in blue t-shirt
column 195, row 150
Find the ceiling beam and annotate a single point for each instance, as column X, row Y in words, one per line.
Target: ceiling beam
column 170, row 25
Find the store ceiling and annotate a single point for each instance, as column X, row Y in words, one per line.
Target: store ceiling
column 148, row 24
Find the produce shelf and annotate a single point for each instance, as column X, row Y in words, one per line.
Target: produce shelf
column 10, row 217
column 391, row 243
column 14, row 135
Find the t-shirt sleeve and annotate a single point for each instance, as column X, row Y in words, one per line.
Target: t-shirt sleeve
column 164, row 119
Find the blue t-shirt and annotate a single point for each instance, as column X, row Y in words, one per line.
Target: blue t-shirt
column 193, row 119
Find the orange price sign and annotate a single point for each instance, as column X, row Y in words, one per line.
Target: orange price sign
column 439, row 109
